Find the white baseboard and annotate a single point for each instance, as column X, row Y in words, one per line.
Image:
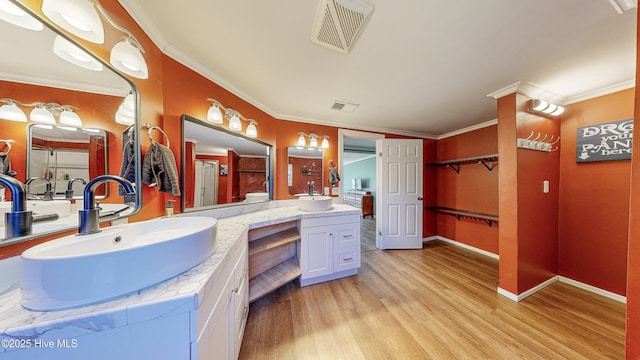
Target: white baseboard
column 462, row 245
column 593, row 289
column 516, row 298
column 529, row 292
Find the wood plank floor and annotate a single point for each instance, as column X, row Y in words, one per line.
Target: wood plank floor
column 436, row 303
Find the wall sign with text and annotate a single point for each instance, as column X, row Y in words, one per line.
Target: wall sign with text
column 605, row 142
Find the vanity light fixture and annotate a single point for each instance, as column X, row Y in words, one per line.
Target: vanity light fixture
column 75, row 55
column 43, row 113
column 545, row 108
column 78, row 17
column 214, row 114
column 13, row 14
column 313, row 140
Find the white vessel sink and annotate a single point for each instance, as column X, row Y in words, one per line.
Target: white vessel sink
column 315, row 203
column 79, row 270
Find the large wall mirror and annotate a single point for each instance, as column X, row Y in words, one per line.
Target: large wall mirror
column 53, row 154
column 305, row 170
column 223, row 168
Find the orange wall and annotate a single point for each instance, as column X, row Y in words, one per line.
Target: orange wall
column 528, row 235
column 474, row 189
column 594, row 200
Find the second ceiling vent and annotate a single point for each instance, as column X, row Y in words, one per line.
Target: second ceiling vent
column 339, row 23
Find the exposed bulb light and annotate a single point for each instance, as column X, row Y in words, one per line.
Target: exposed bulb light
column 325, row 142
column 10, row 111
column 41, row 115
column 538, row 106
column 313, row 140
column 301, row 140
column 12, row 14
column 127, row 57
column 214, row 114
column 68, row 117
column 252, row 131
column 73, row 54
column 79, row 17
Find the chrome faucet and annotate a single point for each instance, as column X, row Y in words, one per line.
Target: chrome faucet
column 69, row 193
column 48, row 193
column 310, row 185
column 17, row 222
column 89, row 216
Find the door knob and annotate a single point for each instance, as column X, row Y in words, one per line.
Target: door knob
column 420, row 198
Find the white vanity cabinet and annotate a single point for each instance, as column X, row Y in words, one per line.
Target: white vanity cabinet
column 223, row 312
column 330, row 248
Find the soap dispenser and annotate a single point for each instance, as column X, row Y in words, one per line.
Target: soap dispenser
column 169, row 208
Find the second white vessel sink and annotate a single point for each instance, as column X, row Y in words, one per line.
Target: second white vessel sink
column 79, row 270
column 315, row 203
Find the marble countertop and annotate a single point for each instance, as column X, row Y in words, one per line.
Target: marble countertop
column 178, row 294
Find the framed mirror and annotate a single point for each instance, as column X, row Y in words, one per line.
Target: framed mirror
column 35, row 77
column 305, row 170
column 223, row 168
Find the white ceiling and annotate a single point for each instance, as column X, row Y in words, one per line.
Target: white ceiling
column 420, row 67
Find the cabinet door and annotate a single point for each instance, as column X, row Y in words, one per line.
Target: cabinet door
column 347, row 246
column 216, row 341
column 317, row 251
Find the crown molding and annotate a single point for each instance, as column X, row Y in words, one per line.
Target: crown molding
column 469, row 129
column 529, row 89
column 629, row 84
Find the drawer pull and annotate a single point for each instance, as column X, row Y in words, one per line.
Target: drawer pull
column 347, row 236
column 347, row 259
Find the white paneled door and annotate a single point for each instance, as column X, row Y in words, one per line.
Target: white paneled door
column 399, row 189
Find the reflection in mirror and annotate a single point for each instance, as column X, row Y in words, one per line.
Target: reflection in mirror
column 45, row 87
column 221, row 168
column 305, row 170
column 67, row 157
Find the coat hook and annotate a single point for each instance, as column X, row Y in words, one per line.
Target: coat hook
column 555, row 142
column 544, row 138
column 530, row 135
column 537, row 137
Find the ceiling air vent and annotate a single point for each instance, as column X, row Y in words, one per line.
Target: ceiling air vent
column 338, row 23
column 344, row 106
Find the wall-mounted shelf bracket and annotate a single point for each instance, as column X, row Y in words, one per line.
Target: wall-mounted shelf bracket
column 488, row 161
column 459, row 213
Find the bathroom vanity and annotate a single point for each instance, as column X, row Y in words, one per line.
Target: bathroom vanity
column 199, row 314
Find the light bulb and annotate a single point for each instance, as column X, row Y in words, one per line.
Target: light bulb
column 10, row 111
column 558, row 111
column 41, row 115
column 128, row 59
column 78, row 17
column 325, row 143
column 14, row 15
column 234, row 123
column 301, row 140
column 70, row 118
column 214, row 114
column 252, row 131
column 313, row 142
